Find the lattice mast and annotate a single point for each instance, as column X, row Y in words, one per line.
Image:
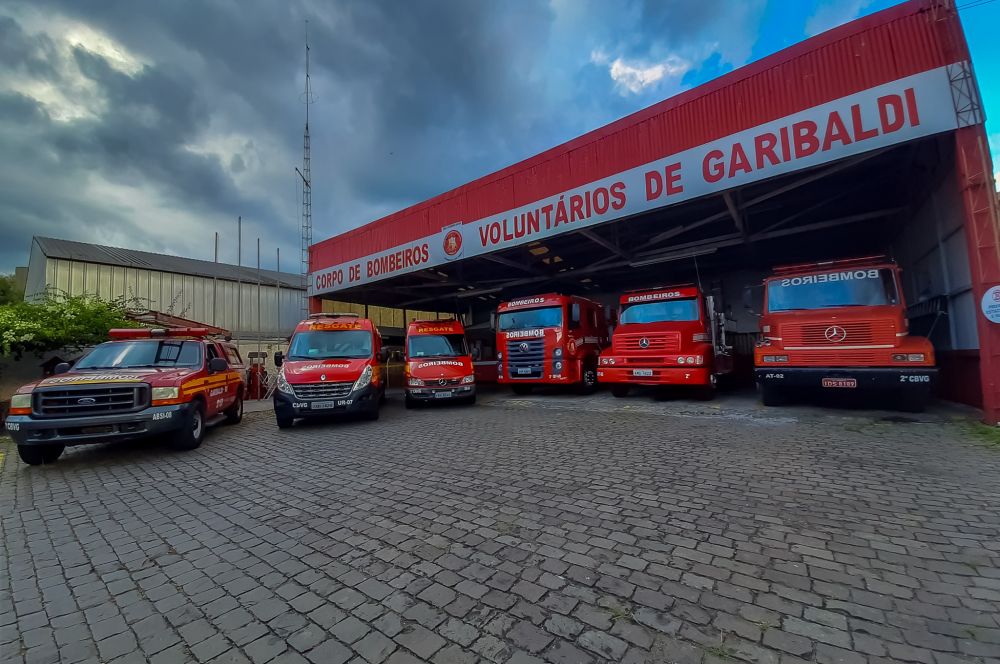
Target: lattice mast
column 306, row 175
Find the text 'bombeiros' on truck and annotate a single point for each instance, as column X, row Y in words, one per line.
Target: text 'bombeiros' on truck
column 438, row 363
column 549, row 339
column 667, row 336
column 841, row 326
column 335, row 365
column 142, row 383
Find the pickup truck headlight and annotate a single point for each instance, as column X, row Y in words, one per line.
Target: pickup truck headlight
column 415, row 382
column 468, row 379
column 165, row 393
column 283, row 385
column 20, row 401
column 363, row 380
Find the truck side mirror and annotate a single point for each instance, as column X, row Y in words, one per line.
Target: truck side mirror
column 748, row 299
column 476, row 354
column 61, row 368
column 217, row 364
column 382, row 355
column 493, row 321
column 574, row 316
column 279, row 359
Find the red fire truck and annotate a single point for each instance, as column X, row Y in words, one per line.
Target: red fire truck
column 438, row 363
column 335, row 365
column 667, row 336
column 841, row 326
column 142, row 383
column 549, row 339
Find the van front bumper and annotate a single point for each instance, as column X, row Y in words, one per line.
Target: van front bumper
column 364, row 400
column 29, row 430
column 441, row 393
column 847, row 378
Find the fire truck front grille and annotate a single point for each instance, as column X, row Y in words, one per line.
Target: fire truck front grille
column 661, row 342
column 848, row 333
column 90, row 400
column 526, row 359
column 313, row 391
column 844, row 358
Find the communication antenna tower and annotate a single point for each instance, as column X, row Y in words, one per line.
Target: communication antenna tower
column 306, row 175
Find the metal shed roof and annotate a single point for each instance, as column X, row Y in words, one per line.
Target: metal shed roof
column 96, row 253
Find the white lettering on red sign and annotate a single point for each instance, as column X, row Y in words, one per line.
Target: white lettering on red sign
column 526, row 302
column 849, row 275
column 650, row 297
column 521, row 334
column 903, row 110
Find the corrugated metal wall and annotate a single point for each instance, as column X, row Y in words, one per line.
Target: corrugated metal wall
column 886, row 46
column 226, row 304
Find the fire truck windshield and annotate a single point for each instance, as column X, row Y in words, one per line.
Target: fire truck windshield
column 144, row 353
column 660, row 312
column 331, row 344
column 437, row 345
column 527, row 319
column 847, row 288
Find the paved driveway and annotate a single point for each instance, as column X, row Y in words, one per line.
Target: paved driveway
column 549, row 528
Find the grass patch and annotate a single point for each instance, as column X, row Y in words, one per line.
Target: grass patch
column 621, row 613
column 763, row 625
column 984, row 433
column 506, row 528
column 720, row 650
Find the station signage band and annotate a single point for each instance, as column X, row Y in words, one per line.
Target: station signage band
column 892, row 113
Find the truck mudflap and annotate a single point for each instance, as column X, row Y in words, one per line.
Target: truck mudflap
column 849, row 378
column 655, row 375
column 28, row 430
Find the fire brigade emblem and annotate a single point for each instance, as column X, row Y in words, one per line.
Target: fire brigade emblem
column 644, row 343
column 453, row 243
column 523, row 347
column 835, row 334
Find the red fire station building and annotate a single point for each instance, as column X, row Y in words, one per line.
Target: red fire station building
column 867, row 139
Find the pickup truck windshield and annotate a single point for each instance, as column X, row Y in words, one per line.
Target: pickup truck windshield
column 846, row 288
column 437, row 345
column 141, row 354
column 527, row 319
column 331, row 344
column 660, row 312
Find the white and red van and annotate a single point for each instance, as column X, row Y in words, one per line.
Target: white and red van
column 438, row 363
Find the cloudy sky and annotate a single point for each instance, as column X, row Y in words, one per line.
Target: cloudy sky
column 152, row 125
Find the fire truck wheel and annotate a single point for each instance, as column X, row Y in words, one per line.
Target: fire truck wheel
column 620, row 391
column 705, row 393
column 522, row 389
column 284, row 422
column 409, row 402
column 36, row 455
column 588, row 381
column 772, row 396
column 234, row 414
column 912, row 403
column 190, row 435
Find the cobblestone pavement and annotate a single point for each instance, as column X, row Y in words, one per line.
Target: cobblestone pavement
column 541, row 529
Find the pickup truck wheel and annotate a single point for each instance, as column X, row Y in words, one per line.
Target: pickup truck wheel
column 234, row 414
column 522, row 389
column 772, row 396
column 36, row 455
column 284, row 422
column 192, row 432
column 620, row 391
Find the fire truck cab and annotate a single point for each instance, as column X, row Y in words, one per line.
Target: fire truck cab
column 438, row 363
column 667, row 336
column 839, row 326
column 335, row 365
column 549, row 339
column 142, row 383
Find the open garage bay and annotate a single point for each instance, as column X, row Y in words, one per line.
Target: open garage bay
column 543, row 528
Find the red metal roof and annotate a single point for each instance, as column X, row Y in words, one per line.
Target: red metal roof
column 907, row 39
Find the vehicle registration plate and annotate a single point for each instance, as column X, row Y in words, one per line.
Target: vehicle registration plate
column 444, row 394
column 523, row 370
column 840, row 382
column 322, row 405
column 642, row 372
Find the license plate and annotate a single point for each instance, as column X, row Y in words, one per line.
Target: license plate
column 442, row 395
column 322, row 405
column 642, row 372
column 840, row 382
column 523, row 370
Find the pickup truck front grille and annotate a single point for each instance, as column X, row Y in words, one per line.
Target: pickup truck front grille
column 314, row 391
column 89, row 400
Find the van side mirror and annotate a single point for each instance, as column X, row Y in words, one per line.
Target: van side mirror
column 382, row 355
column 476, row 354
column 217, row 364
column 279, row 359
column 61, row 368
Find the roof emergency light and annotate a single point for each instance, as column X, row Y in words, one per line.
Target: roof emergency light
column 151, row 333
column 865, row 261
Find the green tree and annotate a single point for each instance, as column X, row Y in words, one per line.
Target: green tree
column 59, row 321
column 9, row 290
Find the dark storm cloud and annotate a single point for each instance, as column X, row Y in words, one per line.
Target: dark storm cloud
column 412, row 99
